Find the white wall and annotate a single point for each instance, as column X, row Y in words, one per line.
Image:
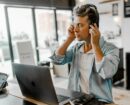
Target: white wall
column 107, row 22
column 126, row 34
column 126, row 37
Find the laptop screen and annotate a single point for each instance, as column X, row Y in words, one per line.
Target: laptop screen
column 35, row 82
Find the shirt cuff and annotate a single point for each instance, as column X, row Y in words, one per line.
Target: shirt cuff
column 99, row 65
column 57, row 58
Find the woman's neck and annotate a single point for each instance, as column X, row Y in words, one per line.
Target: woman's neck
column 87, row 47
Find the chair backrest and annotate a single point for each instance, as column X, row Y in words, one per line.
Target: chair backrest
column 61, row 70
column 120, row 72
column 25, row 52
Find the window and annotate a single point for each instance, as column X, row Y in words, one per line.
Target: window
column 46, row 31
column 64, row 19
column 21, row 28
column 5, row 60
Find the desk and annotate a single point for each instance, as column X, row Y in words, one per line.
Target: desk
column 7, row 99
column 13, row 91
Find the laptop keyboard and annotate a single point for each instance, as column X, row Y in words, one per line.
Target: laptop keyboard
column 62, row 98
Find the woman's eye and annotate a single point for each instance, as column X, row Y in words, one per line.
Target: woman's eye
column 80, row 25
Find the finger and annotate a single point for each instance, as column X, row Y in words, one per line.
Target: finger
column 95, row 25
column 72, row 25
column 92, row 27
column 70, row 30
column 91, row 32
column 95, row 28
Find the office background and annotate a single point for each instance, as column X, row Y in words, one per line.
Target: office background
column 44, row 23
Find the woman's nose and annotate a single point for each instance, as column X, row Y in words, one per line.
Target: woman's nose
column 76, row 29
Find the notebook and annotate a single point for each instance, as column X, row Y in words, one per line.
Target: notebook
column 36, row 82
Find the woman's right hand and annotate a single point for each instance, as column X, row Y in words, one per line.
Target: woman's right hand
column 71, row 32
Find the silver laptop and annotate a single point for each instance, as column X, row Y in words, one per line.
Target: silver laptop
column 36, row 82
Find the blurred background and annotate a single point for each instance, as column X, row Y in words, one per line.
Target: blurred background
column 44, row 24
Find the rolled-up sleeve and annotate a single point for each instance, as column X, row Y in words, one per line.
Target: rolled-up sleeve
column 62, row 59
column 108, row 66
column 57, row 59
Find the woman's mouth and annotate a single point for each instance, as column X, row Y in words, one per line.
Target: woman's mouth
column 77, row 35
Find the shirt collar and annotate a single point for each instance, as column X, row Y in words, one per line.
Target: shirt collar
column 80, row 46
column 81, row 50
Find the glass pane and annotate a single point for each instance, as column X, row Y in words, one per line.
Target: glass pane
column 46, row 31
column 64, row 19
column 21, row 26
column 5, row 62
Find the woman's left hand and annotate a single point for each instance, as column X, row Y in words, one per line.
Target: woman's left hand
column 95, row 35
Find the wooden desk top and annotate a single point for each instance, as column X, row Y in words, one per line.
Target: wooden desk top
column 7, row 99
column 14, row 90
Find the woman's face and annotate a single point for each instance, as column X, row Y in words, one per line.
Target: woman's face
column 81, row 28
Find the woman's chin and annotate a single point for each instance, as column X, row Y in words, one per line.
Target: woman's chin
column 78, row 39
